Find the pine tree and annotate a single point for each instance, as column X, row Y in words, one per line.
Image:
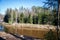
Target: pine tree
column 30, row 19
column 22, row 18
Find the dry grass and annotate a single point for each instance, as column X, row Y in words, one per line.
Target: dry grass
column 32, row 30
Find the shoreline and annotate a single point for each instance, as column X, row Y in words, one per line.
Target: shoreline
column 8, row 36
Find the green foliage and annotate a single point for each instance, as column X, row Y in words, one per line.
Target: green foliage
column 50, row 35
column 30, row 20
column 21, row 18
column 6, row 18
column 35, row 18
column 52, row 4
column 42, row 18
column 38, row 15
column 39, row 18
column 5, row 29
column 26, row 19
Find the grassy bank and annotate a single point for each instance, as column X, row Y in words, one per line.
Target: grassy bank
column 33, row 30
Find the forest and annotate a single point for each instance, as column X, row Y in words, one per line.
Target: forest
column 35, row 15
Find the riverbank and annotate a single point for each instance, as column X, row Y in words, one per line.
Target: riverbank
column 8, row 36
column 31, row 30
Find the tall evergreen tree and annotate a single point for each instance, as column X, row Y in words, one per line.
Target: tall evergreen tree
column 52, row 4
column 30, row 20
column 21, row 17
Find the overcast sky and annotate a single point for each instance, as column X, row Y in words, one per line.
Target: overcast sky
column 4, row 4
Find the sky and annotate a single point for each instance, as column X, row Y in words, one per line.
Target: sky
column 4, row 4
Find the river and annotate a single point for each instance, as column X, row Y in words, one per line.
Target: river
column 1, row 28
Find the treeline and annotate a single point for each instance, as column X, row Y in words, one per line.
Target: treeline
column 35, row 15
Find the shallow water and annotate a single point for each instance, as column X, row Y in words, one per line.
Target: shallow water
column 1, row 28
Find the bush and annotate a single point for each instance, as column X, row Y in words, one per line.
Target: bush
column 50, row 35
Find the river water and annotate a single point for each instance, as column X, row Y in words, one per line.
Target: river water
column 1, row 28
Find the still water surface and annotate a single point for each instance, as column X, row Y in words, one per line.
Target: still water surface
column 1, row 28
